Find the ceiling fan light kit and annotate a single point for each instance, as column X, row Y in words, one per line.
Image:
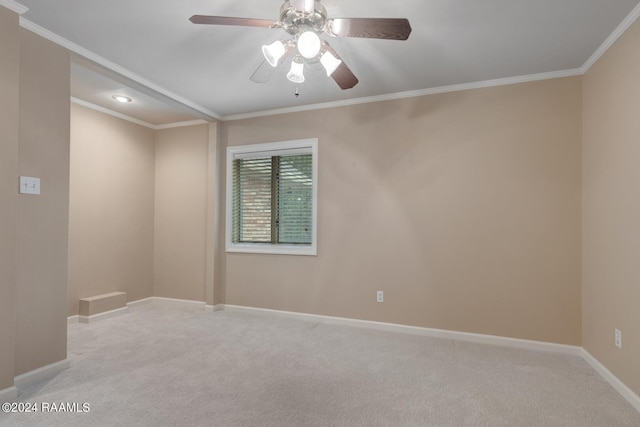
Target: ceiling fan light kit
column 274, row 52
column 305, row 21
column 309, row 44
column 296, row 74
column 329, row 62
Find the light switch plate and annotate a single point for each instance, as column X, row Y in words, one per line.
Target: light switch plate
column 618, row 338
column 29, row 185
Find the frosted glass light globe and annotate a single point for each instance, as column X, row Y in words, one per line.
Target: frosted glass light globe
column 309, row 44
column 273, row 52
column 296, row 73
column 329, row 62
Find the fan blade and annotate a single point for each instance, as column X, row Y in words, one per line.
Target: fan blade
column 263, row 73
column 342, row 75
column 373, row 28
column 228, row 20
column 306, row 6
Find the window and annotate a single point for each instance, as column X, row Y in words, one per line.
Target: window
column 272, row 197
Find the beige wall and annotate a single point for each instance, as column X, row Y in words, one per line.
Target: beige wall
column 9, row 101
column 111, row 207
column 463, row 207
column 216, row 213
column 181, row 182
column 611, row 208
column 141, row 213
column 41, row 294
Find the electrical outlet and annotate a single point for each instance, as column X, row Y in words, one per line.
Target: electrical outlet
column 380, row 296
column 618, row 338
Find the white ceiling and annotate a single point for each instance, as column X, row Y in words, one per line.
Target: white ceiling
column 200, row 71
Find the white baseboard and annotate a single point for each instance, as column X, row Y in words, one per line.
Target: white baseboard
column 76, row 318
column 140, row 302
column 429, row 332
column 183, row 301
column 40, row 374
column 218, row 307
column 8, row 394
column 103, row 316
column 618, row 385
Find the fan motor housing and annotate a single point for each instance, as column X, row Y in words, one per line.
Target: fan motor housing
column 294, row 21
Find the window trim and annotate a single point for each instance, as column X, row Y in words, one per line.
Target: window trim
column 264, row 150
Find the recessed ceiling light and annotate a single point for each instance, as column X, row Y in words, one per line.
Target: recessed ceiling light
column 121, row 98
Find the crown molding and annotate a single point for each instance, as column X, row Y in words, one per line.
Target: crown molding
column 411, row 94
column 85, row 53
column 130, row 119
column 181, row 124
column 14, row 6
column 619, row 31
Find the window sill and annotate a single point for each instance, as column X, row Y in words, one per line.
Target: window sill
column 256, row 248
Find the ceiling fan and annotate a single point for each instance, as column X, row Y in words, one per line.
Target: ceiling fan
column 305, row 21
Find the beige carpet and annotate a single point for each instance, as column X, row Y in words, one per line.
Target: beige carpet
column 167, row 364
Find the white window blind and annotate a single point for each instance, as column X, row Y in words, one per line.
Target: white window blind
column 252, row 200
column 272, row 198
column 294, row 210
